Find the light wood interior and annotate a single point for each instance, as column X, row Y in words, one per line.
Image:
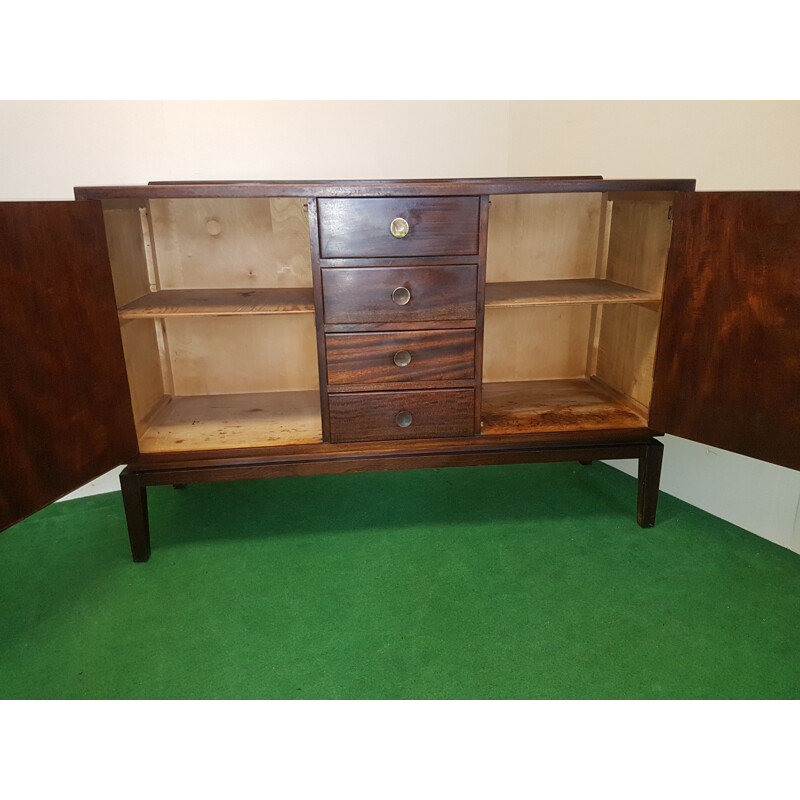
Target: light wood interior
column 214, row 422
column 573, row 295
column 217, row 321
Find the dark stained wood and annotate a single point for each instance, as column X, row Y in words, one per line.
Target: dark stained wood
column 369, row 357
column 134, row 498
column 649, row 480
column 360, row 227
column 371, row 416
column 727, row 369
column 483, row 242
column 65, row 411
column 365, row 294
column 136, row 481
column 420, row 325
column 429, row 188
column 220, row 302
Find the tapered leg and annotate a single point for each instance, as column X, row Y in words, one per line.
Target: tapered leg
column 134, row 497
column 649, row 479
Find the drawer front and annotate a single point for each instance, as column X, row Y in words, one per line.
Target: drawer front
column 431, row 226
column 400, row 356
column 378, row 416
column 397, row 294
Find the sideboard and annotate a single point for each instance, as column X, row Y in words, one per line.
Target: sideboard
column 234, row 330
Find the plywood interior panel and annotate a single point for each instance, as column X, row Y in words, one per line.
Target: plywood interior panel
column 215, row 302
column 639, row 242
column 534, row 343
column 232, row 354
column 231, row 243
column 564, row 292
column 543, row 237
column 126, row 250
column 626, row 349
column 240, row 420
column 140, row 344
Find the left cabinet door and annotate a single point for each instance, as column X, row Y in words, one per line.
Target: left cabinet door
column 65, row 409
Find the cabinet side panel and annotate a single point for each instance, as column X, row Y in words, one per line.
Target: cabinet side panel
column 639, row 242
column 235, row 243
column 626, row 350
column 143, row 362
column 65, row 413
column 126, row 249
column 728, row 362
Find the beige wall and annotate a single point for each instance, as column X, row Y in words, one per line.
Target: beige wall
column 50, row 147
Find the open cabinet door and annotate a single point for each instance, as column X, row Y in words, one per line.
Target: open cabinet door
column 65, row 410
column 727, row 369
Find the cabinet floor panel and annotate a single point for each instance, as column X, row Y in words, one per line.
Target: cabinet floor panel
column 554, row 405
column 223, row 421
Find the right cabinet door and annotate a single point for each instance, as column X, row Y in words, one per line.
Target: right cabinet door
column 727, row 369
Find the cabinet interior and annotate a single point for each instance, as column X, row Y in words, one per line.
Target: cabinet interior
column 216, row 310
column 217, row 318
column 573, row 301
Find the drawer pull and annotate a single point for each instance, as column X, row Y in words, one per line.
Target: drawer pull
column 401, row 296
column 399, row 228
column 403, row 419
column 402, row 358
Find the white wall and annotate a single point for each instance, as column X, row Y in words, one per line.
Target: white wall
column 50, row 147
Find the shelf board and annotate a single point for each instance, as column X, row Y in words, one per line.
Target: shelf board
column 220, row 302
column 222, row 421
column 563, row 292
column 551, row 406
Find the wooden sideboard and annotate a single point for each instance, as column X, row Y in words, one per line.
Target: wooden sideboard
column 233, row 330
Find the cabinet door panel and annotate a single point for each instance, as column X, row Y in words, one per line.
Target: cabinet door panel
column 727, row 368
column 65, row 413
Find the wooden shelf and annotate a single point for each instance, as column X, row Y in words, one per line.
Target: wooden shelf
column 551, row 406
column 220, row 302
column 223, row 421
column 563, row 292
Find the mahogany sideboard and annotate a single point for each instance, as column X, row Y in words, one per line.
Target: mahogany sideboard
column 233, row 330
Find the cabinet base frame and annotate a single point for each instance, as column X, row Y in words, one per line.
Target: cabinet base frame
column 135, row 480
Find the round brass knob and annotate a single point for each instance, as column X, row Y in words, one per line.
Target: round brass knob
column 402, row 358
column 399, row 228
column 401, row 296
column 403, row 419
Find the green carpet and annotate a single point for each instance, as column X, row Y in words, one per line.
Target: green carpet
column 528, row 581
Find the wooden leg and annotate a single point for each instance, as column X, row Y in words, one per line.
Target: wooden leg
column 134, row 497
column 649, row 479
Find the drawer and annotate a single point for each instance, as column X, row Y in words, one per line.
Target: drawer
column 399, row 294
column 377, row 416
column 398, row 226
column 400, row 356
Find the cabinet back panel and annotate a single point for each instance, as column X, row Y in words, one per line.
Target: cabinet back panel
column 536, row 343
column 126, row 249
column 143, row 362
column 639, row 243
column 544, row 236
column 231, row 243
column 225, row 355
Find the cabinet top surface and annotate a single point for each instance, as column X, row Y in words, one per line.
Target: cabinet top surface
column 378, row 188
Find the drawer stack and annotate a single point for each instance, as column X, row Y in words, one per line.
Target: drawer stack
column 398, row 283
